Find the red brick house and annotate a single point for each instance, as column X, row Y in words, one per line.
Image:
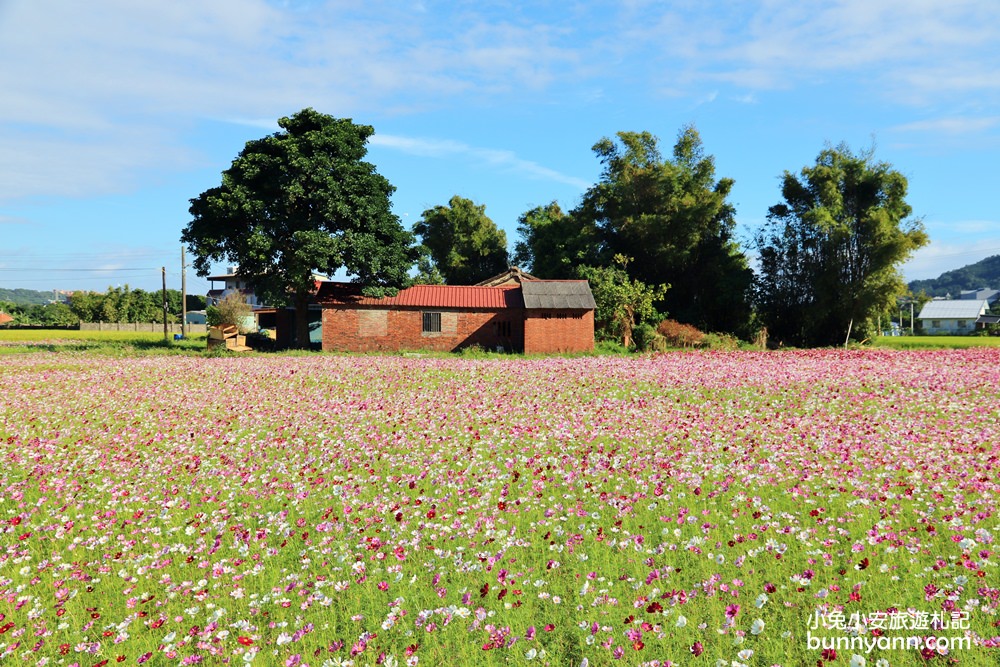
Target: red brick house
column 530, row 316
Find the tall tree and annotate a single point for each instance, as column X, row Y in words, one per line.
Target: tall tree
column 829, row 254
column 464, row 244
column 298, row 202
column 554, row 244
column 672, row 216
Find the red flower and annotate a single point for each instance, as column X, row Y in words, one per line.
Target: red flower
column 246, row 641
column 697, row 649
column 549, row 627
column 862, row 564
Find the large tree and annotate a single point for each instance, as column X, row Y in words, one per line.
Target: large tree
column 829, row 253
column 463, row 243
column 299, row 202
column 671, row 216
column 555, row 244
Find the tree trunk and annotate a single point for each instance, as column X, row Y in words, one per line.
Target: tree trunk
column 301, row 302
column 850, row 325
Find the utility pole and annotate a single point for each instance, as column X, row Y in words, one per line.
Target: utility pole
column 163, row 271
column 184, row 295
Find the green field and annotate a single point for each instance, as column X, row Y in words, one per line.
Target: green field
column 698, row 508
column 935, row 342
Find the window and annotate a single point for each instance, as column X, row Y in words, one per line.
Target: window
column 432, row 323
column 961, row 324
column 502, row 328
column 936, row 324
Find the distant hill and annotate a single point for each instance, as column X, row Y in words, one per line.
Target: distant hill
column 981, row 274
column 25, row 297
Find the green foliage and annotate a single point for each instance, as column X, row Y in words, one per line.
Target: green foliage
column 24, row 297
column 646, row 337
column 671, row 215
column 50, row 314
column 622, row 302
column 298, row 202
column 232, row 309
column 427, row 271
column 554, row 244
column 465, row 246
column 829, row 253
column 125, row 305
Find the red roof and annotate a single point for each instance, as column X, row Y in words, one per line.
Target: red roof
column 425, row 296
column 5, row 318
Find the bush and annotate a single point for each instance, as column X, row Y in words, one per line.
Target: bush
column 231, row 309
column 717, row 341
column 646, row 338
column 677, row 334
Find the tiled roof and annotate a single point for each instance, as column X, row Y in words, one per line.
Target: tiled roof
column 424, row 296
column 569, row 294
column 5, row 318
column 952, row 310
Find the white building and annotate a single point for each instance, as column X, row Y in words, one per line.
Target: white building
column 232, row 283
column 951, row 317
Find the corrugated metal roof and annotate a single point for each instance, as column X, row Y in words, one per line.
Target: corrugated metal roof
column 425, row 296
column 953, row 310
column 568, row 294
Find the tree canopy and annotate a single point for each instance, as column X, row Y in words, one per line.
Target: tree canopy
column 622, row 303
column 299, row 202
column 671, row 216
column 464, row 245
column 830, row 252
column 555, row 244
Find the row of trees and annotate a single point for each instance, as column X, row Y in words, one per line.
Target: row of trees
column 654, row 235
column 117, row 304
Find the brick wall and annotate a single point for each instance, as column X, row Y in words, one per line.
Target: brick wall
column 547, row 331
column 375, row 330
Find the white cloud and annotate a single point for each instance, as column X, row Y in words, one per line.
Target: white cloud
column 94, row 92
column 496, row 158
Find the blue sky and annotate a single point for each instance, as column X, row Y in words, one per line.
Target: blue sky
column 115, row 113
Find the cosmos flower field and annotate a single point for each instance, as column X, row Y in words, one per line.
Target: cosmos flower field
column 686, row 509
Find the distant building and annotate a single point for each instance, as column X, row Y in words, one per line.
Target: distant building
column 196, row 317
column 983, row 294
column 231, row 283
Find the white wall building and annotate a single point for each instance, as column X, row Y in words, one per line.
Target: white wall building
column 951, row 317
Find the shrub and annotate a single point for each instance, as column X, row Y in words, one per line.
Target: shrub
column 231, row 309
column 721, row 341
column 677, row 334
column 646, row 338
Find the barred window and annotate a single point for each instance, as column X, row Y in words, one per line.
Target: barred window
column 432, row 323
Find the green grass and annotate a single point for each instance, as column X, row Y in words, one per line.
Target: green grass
column 113, row 343
column 935, row 342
